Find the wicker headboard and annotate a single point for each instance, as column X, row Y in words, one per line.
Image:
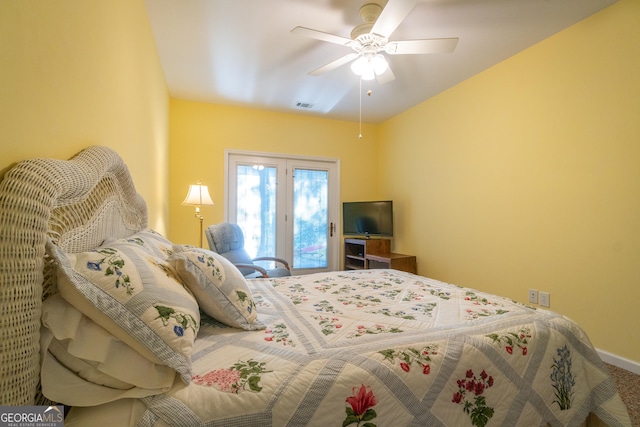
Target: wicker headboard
column 76, row 204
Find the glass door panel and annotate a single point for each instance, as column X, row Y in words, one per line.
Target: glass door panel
column 310, row 218
column 256, row 208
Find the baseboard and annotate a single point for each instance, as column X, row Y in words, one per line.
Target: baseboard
column 619, row 361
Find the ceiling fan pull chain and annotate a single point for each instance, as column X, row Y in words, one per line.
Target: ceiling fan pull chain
column 360, row 94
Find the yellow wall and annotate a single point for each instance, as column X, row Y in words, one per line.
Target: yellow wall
column 528, row 172
column 76, row 73
column 530, row 177
column 200, row 132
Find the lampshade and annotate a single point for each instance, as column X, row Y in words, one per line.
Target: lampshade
column 198, row 195
column 368, row 66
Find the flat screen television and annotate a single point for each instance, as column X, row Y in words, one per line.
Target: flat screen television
column 367, row 218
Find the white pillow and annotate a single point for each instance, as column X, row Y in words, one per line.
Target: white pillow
column 84, row 340
column 219, row 287
column 136, row 297
column 83, row 364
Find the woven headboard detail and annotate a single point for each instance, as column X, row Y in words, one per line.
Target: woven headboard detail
column 76, row 204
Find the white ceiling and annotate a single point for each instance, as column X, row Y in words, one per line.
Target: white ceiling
column 241, row 52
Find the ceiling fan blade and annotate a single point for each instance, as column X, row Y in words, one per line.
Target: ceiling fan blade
column 408, row 47
column 392, row 15
column 319, row 35
column 385, row 77
column 335, row 64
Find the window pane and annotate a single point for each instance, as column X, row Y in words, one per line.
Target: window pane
column 256, row 208
column 310, row 200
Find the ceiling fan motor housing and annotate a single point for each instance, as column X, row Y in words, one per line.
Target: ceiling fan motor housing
column 369, row 13
column 369, row 43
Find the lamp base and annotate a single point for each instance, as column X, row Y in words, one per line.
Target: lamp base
column 201, row 219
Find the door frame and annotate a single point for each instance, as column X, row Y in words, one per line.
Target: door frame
column 333, row 244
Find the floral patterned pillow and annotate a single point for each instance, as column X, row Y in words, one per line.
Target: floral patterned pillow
column 135, row 296
column 152, row 241
column 219, row 287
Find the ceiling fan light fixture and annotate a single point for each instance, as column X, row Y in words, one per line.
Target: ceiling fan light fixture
column 358, row 66
column 368, row 74
column 380, row 64
column 368, row 66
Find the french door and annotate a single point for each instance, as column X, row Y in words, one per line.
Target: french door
column 287, row 207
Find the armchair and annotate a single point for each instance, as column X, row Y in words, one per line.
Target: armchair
column 228, row 240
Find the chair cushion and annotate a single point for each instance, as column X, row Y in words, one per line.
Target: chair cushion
column 238, row 256
column 226, row 237
column 227, row 240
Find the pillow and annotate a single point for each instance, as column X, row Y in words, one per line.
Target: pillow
column 136, row 297
column 83, row 364
column 152, row 241
column 84, row 340
column 62, row 384
column 219, row 287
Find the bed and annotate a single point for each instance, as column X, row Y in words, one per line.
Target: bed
column 108, row 317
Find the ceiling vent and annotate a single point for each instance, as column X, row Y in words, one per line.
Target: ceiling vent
column 305, row 105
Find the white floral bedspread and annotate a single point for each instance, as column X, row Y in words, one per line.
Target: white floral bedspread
column 387, row 348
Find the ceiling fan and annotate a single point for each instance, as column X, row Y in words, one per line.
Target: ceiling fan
column 371, row 38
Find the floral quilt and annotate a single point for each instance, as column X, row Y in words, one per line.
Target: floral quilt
column 387, row 348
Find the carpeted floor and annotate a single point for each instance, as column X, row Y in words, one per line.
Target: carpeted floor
column 629, row 388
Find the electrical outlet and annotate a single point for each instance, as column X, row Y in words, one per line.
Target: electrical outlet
column 533, row 296
column 544, row 299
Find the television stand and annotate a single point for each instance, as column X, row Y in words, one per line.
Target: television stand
column 365, row 253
